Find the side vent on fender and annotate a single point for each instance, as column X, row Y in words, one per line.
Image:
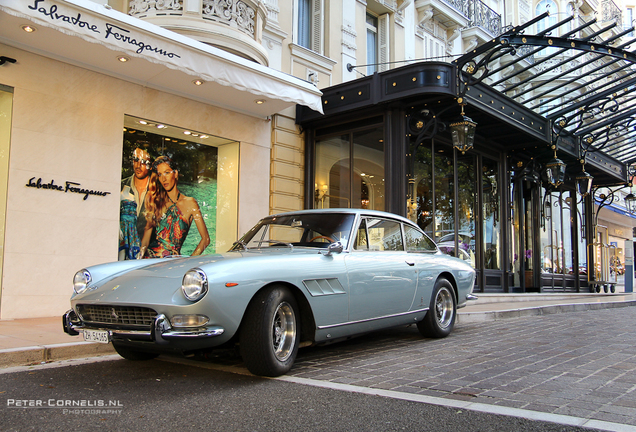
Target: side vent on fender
column 321, row 287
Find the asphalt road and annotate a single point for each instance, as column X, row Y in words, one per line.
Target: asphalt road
column 161, row 395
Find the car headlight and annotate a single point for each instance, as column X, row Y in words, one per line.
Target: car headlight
column 81, row 280
column 195, row 284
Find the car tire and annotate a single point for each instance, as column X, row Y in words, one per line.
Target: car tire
column 270, row 332
column 133, row 354
column 440, row 318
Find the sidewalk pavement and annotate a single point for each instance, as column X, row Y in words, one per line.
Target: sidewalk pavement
column 41, row 340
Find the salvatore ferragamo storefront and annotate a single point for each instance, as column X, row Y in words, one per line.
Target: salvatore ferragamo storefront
column 89, row 99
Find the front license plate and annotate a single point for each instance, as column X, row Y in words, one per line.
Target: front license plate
column 100, row 336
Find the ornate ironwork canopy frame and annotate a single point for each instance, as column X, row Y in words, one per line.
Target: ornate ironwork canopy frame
column 582, row 83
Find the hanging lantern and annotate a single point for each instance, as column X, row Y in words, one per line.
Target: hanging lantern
column 584, row 180
column 463, row 132
column 555, row 170
column 630, row 203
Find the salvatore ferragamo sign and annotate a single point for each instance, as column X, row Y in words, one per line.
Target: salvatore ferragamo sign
column 62, row 15
column 67, row 187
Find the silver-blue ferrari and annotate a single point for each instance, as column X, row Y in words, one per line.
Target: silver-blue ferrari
column 296, row 279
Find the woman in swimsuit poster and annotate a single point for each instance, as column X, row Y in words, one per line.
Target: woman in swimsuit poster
column 170, row 214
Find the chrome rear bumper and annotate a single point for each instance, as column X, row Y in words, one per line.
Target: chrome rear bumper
column 161, row 331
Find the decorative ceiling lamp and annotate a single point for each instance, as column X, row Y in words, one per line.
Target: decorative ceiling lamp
column 584, row 181
column 463, row 131
column 630, row 198
column 555, row 170
column 630, row 203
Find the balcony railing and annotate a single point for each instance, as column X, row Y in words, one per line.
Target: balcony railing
column 611, row 12
column 478, row 14
column 235, row 13
column 482, row 16
column 459, row 5
column 152, row 7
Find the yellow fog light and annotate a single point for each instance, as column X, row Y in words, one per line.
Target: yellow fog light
column 189, row 320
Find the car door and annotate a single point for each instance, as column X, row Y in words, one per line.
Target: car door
column 382, row 276
column 428, row 263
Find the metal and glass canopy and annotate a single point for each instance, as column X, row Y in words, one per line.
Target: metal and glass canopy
column 569, row 87
column 582, row 79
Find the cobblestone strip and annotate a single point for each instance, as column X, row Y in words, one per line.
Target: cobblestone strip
column 579, row 364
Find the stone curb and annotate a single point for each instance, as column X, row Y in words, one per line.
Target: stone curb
column 25, row 356
column 33, row 355
column 480, row 317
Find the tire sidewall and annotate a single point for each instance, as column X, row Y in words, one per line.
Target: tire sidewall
column 430, row 326
column 256, row 345
column 442, row 285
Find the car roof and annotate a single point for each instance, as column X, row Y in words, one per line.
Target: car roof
column 361, row 212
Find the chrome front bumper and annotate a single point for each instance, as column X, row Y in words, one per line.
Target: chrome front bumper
column 161, row 331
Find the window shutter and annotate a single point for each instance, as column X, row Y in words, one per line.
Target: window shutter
column 383, row 42
column 316, row 26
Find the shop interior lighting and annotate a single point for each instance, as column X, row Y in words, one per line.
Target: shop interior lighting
column 198, row 82
column 259, row 101
column 123, row 59
column 28, row 28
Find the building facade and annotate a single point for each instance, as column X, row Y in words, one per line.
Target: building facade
column 81, row 87
column 216, row 85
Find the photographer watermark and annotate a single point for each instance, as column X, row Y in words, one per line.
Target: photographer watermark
column 70, row 406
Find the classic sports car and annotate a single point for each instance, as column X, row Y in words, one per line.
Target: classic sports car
column 295, row 279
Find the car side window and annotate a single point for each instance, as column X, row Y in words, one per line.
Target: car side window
column 361, row 242
column 417, row 241
column 384, row 235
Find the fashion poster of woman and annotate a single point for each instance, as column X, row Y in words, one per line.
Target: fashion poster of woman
column 168, row 196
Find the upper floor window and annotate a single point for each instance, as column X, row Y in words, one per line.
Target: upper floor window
column 377, row 43
column 553, row 9
column 309, row 27
column 569, row 10
column 372, row 44
column 546, row 6
column 629, row 19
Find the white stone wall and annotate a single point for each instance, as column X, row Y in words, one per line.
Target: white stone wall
column 67, row 124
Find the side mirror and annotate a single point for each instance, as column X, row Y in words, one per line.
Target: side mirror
column 333, row 247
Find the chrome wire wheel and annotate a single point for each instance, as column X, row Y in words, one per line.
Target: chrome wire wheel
column 283, row 331
column 444, row 307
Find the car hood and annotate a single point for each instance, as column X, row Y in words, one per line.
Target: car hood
column 160, row 280
column 175, row 268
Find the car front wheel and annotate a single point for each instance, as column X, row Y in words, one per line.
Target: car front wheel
column 269, row 333
column 440, row 318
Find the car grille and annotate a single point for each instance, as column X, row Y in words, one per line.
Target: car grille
column 124, row 315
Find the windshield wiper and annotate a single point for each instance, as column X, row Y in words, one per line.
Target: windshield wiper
column 239, row 243
column 291, row 246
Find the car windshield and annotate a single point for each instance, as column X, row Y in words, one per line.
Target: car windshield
column 309, row 230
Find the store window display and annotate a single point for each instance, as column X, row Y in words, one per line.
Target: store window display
column 201, row 172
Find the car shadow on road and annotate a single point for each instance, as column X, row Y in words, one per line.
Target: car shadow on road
column 387, row 342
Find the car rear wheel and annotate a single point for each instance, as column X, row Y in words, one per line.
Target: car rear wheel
column 440, row 318
column 269, row 333
column 133, row 354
